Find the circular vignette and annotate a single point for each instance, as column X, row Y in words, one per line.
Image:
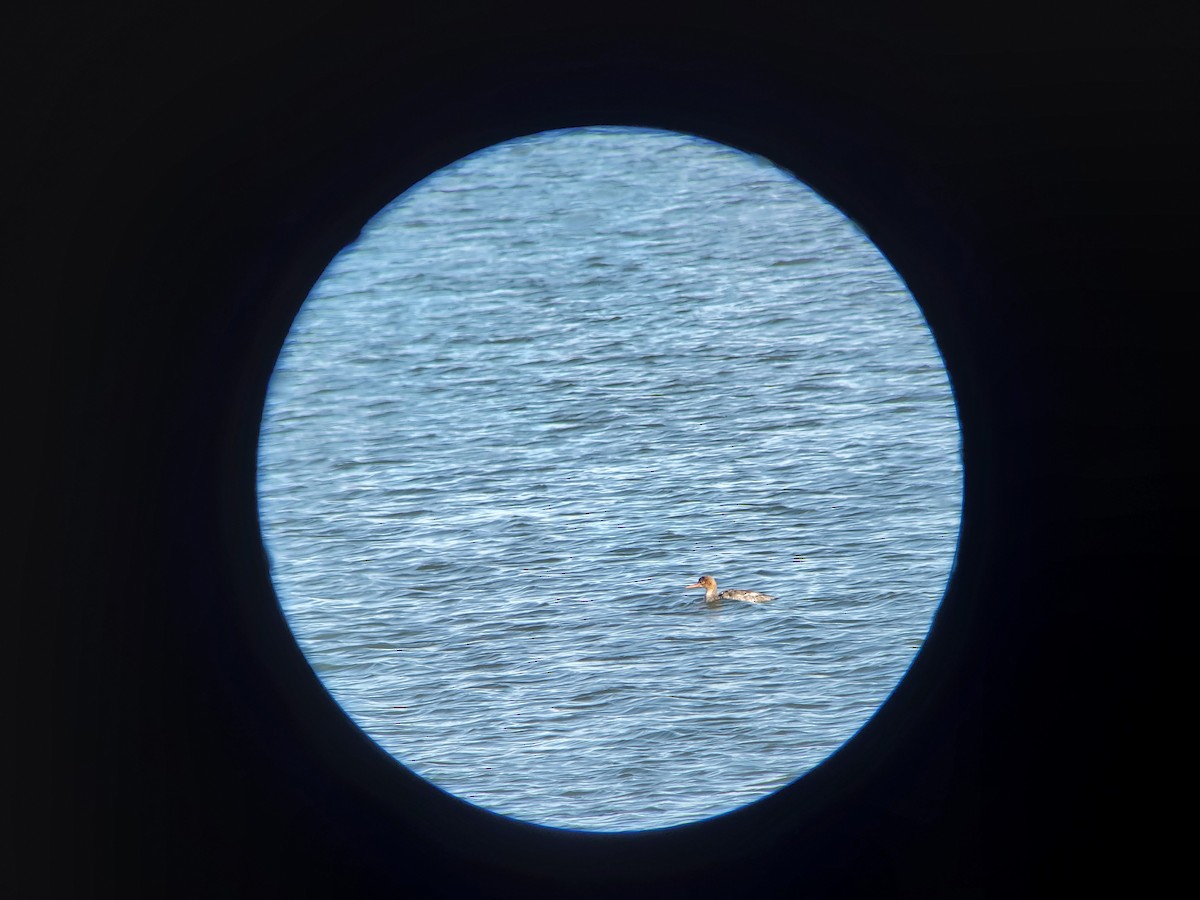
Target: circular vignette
column 871, row 187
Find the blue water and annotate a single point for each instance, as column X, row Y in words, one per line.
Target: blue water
column 545, row 390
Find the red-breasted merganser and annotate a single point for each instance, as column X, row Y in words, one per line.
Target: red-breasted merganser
column 711, row 596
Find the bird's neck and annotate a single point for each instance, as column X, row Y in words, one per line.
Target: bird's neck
column 710, row 595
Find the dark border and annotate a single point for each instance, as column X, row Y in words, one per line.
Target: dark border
column 186, row 178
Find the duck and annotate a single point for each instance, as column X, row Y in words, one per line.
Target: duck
column 712, row 597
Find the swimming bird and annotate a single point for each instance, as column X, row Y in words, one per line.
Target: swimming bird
column 711, row 596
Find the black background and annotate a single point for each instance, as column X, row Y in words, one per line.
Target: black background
column 178, row 179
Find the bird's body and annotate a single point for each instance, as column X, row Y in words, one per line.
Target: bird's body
column 712, row 596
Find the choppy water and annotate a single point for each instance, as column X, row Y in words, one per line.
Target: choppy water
column 545, row 390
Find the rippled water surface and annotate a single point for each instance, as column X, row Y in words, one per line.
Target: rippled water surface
column 545, row 390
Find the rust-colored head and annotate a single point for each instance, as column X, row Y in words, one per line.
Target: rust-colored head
column 704, row 581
